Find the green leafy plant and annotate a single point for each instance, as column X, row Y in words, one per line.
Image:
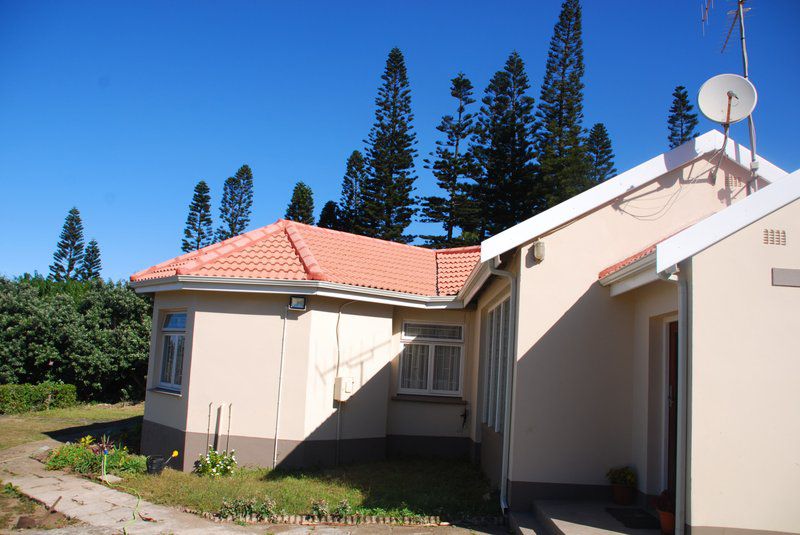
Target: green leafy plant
column 260, row 509
column 28, row 397
column 343, row 509
column 216, row 463
column 622, row 476
column 86, row 457
column 320, row 508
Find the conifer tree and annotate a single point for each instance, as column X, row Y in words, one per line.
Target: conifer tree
column 388, row 206
column 453, row 167
column 351, row 204
column 681, row 122
column 329, row 216
column 503, row 149
column 91, row 265
column 600, row 154
column 563, row 168
column 198, row 232
column 301, row 207
column 237, row 202
column 69, row 251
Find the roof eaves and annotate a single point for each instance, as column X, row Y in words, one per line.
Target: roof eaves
column 620, row 185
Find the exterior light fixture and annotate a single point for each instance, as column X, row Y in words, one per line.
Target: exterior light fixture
column 538, row 250
column 297, row 302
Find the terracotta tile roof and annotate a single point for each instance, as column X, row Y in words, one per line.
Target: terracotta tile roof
column 610, row 270
column 287, row 250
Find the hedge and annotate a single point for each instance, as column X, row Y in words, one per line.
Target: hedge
column 48, row 395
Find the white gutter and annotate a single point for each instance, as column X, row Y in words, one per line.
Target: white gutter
column 297, row 287
column 511, row 378
column 280, row 387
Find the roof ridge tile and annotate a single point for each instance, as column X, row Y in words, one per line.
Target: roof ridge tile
column 313, row 269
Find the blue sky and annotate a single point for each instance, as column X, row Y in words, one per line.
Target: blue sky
column 119, row 109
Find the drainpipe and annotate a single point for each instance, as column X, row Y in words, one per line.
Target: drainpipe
column 336, row 376
column 511, row 378
column 280, row 387
column 680, row 276
column 683, row 404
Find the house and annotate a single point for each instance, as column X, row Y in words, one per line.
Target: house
column 650, row 321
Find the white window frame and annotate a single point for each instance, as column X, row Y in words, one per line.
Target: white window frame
column 497, row 359
column 431, row 344
column 165, row 333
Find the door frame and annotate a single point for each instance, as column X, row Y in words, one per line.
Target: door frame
column 666, row 321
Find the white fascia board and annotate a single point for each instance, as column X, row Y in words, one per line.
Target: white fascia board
column 620, row 185
column 295, row 287
column 719, row 226
column 475, row 281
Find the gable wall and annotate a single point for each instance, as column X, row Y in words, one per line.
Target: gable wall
column 572, row 407
column 745, row 399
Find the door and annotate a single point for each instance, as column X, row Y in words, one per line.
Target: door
column 672, row 405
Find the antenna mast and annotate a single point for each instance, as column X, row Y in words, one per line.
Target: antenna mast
column 740, row 11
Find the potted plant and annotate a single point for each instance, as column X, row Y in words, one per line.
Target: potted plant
column 623, row 485
column 665, row 505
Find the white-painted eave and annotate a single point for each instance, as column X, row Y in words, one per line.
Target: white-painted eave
column 620, row 185
column 296, row 287
column 719, row 226
column 632, row 276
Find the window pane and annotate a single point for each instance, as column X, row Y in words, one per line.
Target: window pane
column 167, row 356
column 494, row 362
column 487, row 357
column 414, row 367
column 502, row 367
column 179, row 359
column 446, row 368
column 175, row 321
column 432, row 331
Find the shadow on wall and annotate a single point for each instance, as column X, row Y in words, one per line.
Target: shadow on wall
column 573, row 402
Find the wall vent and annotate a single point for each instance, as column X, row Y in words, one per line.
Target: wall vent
column 733, row 182
column 774, row 236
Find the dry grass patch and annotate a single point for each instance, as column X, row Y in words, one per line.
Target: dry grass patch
column 19, row 429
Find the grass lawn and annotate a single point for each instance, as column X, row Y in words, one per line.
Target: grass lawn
column 400, row 487
column 16, row 429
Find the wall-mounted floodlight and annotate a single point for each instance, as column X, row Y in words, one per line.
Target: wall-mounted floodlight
column 297, row 302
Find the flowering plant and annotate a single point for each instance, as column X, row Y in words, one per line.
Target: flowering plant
column 216, row 463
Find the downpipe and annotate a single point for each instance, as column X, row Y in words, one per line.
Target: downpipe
column 280, row 387
column 511, row 379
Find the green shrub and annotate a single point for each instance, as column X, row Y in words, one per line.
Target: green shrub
column 86, row 457
column 48, row 395
column 94, row 335
column 216, row 463
column 622, row 476
column 238, row 508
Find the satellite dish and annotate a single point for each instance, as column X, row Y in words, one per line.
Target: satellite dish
column 727, row 98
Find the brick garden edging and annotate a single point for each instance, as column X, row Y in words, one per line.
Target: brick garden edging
column 351, row 520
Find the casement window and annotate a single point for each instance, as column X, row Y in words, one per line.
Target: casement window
column 173, row 342
column 431, row 359
column 496, row 362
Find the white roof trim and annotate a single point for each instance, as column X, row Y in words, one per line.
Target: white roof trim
column 620, row 185
column 719, row 226
column 296, row 287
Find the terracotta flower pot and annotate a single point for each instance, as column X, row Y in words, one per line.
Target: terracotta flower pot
column 623, row 494
column 667, row 520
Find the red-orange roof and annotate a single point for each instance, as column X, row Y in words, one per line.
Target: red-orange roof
column 287, row 250
column 627, row 262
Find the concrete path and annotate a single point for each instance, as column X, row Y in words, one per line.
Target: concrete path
column 105, row 510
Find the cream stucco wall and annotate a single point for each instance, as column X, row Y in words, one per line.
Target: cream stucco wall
column 579, row 404
column 745, row 397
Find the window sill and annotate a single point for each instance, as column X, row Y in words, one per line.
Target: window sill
column 445, row 400
column 166, row 392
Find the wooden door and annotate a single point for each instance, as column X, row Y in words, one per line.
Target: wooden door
column 672, row 404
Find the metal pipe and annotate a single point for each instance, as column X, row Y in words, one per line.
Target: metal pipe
column 750, row 125
column 336, row 376
column 681, row 439
column 280, row 386
column 511, row 379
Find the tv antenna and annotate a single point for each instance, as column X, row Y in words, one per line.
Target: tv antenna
column 735, row 93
